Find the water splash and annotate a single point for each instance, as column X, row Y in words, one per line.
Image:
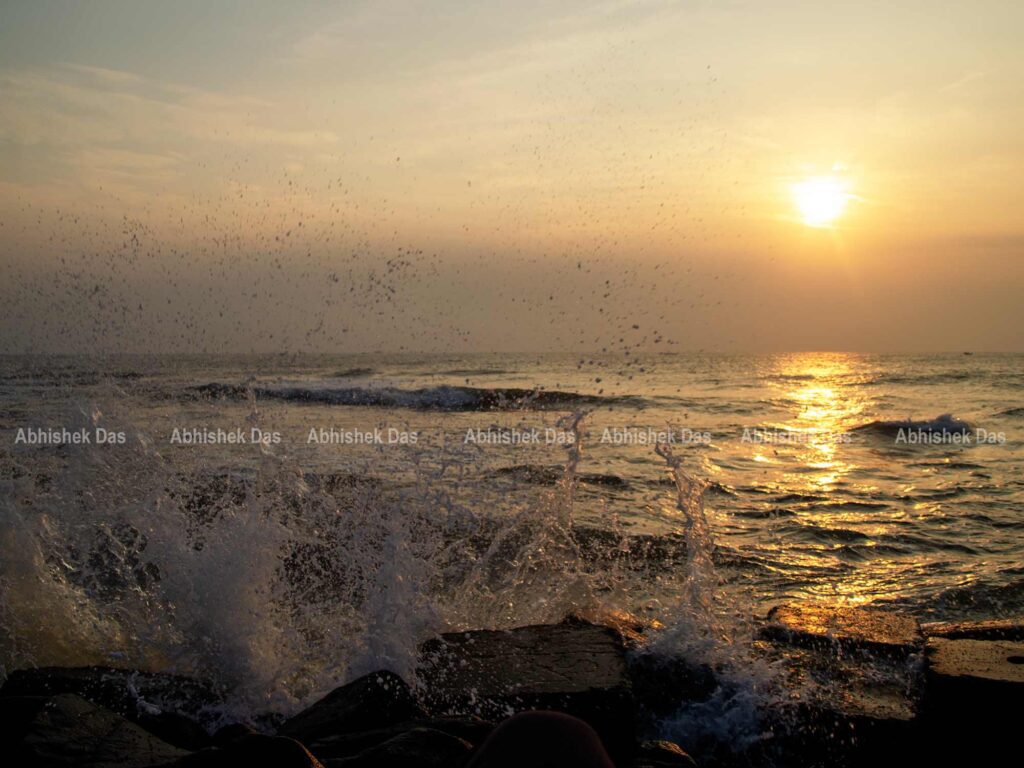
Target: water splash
column 706, row 634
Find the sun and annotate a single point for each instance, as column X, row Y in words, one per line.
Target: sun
column 821, row 199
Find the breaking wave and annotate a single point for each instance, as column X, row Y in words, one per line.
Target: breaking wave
column 440, row 398
column 945, row 424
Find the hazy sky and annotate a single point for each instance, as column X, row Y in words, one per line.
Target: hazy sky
column 510, row 176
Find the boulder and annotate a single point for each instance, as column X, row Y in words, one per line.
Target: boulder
column 972, row 700
column 164, row 704
column 373, row 701
column 229, row 734
column 662, row 683
column 251, row 750
column 472, row 730
column 415, row 748
column 576, row 668
column 69, row 731
column 844, row 628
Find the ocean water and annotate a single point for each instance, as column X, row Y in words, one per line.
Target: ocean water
column 283, row 523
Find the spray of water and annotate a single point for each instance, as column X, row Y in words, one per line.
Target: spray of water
column 706, row 633
column 278, row 585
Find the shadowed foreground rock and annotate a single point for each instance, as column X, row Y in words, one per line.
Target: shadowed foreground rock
column 166, row 705
column 864, row 695
column 67, row 730
column 576, row 668
column 860, row 675
column 373, row 701
column 250, row 750
column 415, row 748
column 468, row 729
column 973, row 697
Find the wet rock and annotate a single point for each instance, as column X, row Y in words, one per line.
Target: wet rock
column 631, row 628
column 174, row 728
column 661, row 754
column 231, row 733
column 976, row 672
column 164, row 704
column 376, row 700
column 974, row 691
column 662, row 683
column 819, row 625
column 576, row 668
column 999, row 629
column 414, row 748
column 848, row 708
column 472, row 730
column 69, row 731
column 251, row 750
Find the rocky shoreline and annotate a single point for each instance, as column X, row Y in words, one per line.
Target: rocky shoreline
column 869, row 688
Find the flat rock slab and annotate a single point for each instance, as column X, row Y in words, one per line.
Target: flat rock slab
column 70, row 731
column 997, row 629
column 818, row 625
column 999, row 662
column 974, row 692
column 576, row 668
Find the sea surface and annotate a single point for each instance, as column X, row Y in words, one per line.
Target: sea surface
column 365, row 502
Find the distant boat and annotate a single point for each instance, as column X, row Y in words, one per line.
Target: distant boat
column 968, row 353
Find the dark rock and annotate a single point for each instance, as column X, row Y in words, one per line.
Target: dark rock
column 819, row 625
column 661, row 754
column 470, row 729
column 853, row 709
column 70, row 731
column 976, row 673
column 575, row 668
column 662, row 683
column 414, row 748
column 164, row 704
column 550, row 739
column 253, row 749
column 373, row 701
column 174, row 728
column 231, row 733
column 632, row 629
column 16, row 714
column 972, row 701
column 1000, row 629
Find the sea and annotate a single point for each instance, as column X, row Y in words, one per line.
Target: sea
column 283, row 523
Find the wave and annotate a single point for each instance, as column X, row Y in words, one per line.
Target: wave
column 442, row 398
column 354, row 373
column 549, row 475
column 946, row 424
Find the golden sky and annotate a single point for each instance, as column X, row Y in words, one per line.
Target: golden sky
column 529, row 175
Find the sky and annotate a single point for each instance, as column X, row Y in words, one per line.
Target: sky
column 519, row 176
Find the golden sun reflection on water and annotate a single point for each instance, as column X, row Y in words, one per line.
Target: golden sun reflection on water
column 824, row 398
column 821, row 390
